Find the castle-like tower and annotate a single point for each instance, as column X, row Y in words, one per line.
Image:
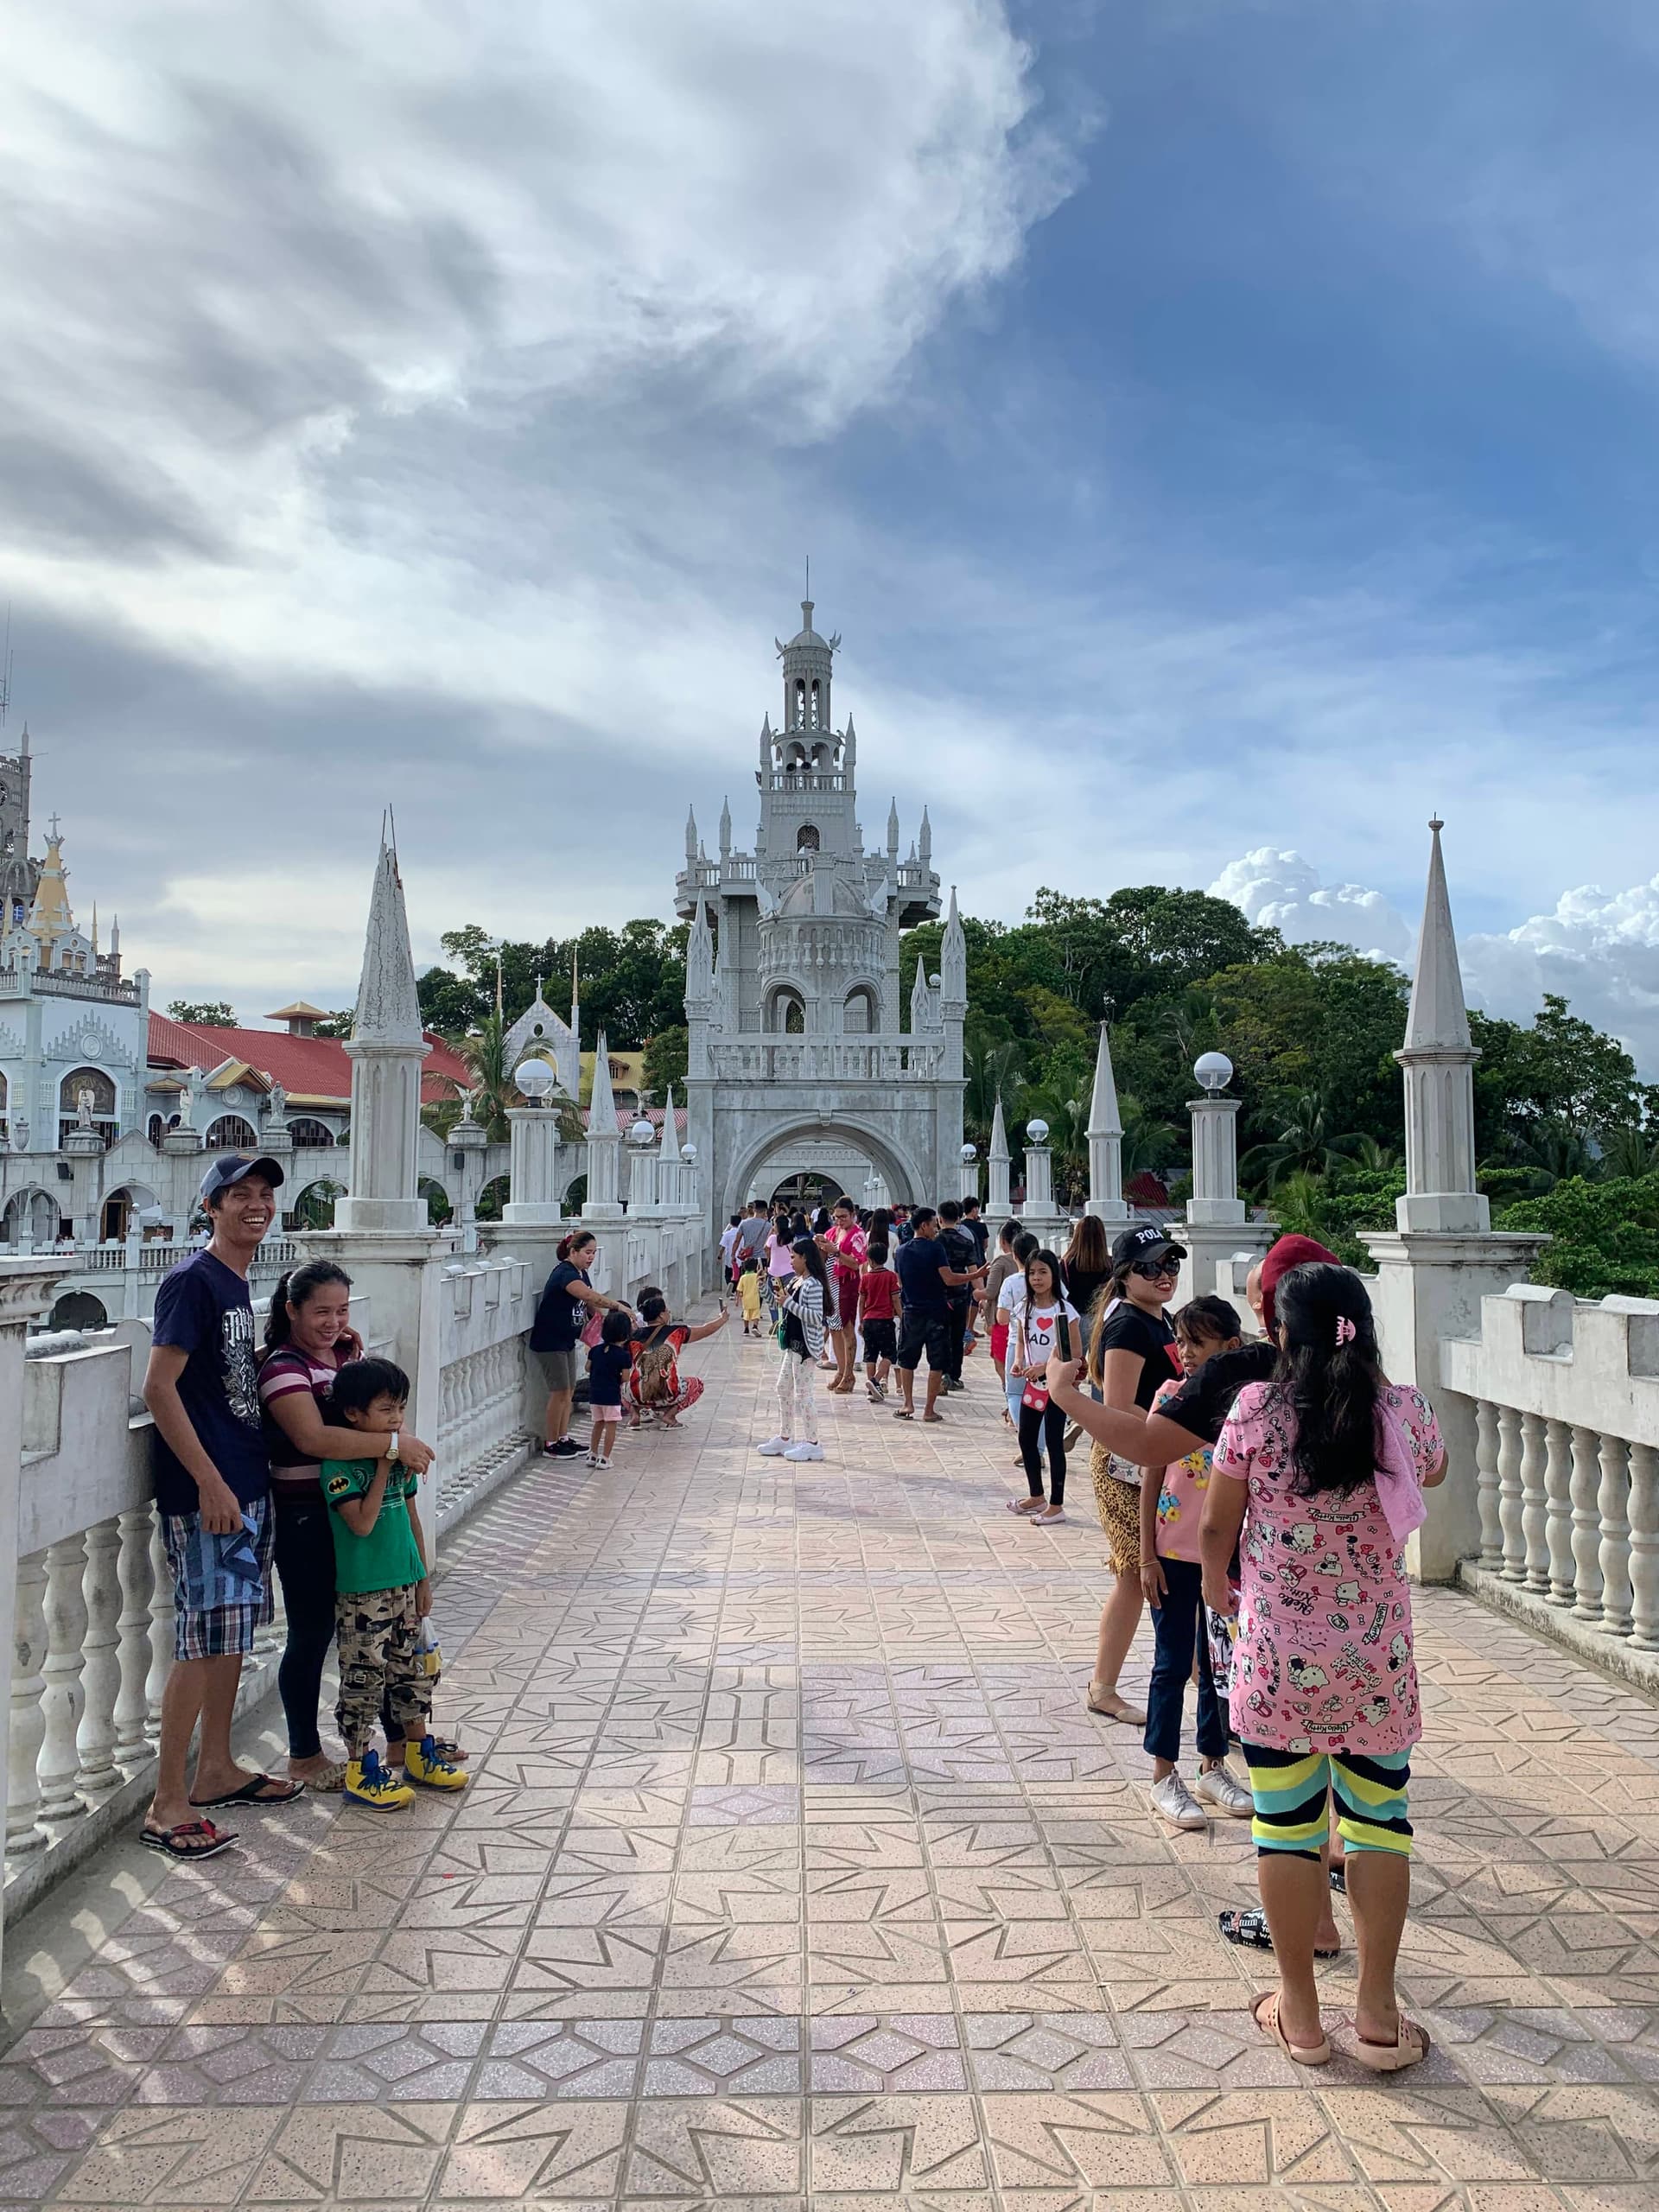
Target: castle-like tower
column 792, row 999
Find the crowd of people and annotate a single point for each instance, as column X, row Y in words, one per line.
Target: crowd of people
column 1256, row 1493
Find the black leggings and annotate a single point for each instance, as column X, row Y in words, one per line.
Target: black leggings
column 305, row 1564
column 1048, row 1422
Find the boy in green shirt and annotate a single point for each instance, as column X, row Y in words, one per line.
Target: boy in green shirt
column 382, row 1595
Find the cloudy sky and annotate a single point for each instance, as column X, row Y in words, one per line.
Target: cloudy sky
column 1222, row 430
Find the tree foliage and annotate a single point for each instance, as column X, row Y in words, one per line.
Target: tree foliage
column 205, row 1014
column 633, row 980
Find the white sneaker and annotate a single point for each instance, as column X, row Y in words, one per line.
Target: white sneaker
column 1220, row 1787
column 804, row 1451
column 773, row 1448
column 1173, row 1799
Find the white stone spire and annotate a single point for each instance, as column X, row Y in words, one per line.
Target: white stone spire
column 1105, row 1134
column 893, row 829
column 953, row 962
column 921, row 1001
column 670, row 1145
column 691, row 836
column 996, row 1162
column 926, row 842
column 604, row 1142
column 388, row 1004
column 385, row 1049
column 1439, row 1060
column 725, row 827
column 700, row 957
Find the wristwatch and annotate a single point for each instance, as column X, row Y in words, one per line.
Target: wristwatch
column 391, row 1448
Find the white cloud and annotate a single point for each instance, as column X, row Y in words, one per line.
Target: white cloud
column 1600, row 951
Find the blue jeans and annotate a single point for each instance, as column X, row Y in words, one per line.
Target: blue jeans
column 1177, row 1634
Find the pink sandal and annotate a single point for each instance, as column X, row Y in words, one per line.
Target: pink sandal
column 1265, row 2013
column 1411, row 2044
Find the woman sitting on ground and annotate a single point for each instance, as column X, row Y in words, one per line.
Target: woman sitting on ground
column 655, row 1387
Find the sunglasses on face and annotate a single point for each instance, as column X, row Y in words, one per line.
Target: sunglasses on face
column 1154, row 1270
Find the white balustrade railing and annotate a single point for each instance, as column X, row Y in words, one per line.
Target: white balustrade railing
column 1566, row 1396
column 829, row 1059
column 485, row 1427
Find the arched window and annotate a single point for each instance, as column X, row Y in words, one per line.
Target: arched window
column 786, row 1013
column 806, row 838
column 307, row 1129
column 813, row 706
column 100, row 1102
column 231, row 1133
column 797, row 718
column 314, row 1206
column 858, row 1016
column 154, row 1128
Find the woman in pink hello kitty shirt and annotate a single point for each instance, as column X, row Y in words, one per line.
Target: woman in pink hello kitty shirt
column 1330, row 1460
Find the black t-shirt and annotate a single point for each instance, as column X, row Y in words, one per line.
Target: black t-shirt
column 606, row 1365
column 1129, row 1328
column 956, row 1243
column 980, row 1231
column 559, row 1317
column 919, row 1263
column 1082, row 1285
column 203, row 1308
column 1205, row 1399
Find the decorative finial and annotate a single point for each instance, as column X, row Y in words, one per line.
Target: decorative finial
column 1436, row 824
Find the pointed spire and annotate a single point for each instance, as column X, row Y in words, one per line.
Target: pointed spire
column 893, row 829
column 24, row 747
column 671, row 1146
column 927, row 840
column 94, row 928
column 388, row 1005
column 953, row 958
column 1438, row 1016
column 115, row 938
column 691, row 836
column 602, row 1106
column 699, row 956
column 575, row 996
column 725, row 827
column 1104, row 1119
column 998, row 1133
column 921, row 1000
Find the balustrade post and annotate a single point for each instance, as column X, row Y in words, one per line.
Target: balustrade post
column 1644, row 1547
column 1615, row 1548
column 1486, row 1496
column 63, row 1700
column 1558, row 1493
column 23, row 1834
column 138, row 1580
column 161, row 1628
column 1586, row 1527
column 100, row 1678
column 1508, row 1494
column 1532, row 1517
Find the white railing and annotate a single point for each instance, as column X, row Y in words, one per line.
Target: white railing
column 1565, row 1397
column 486, row 1427
column 830, row 1059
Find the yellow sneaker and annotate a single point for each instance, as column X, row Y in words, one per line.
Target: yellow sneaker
column 367, row 1782
column 422, row 1764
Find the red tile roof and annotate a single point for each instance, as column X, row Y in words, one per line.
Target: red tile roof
column 307, row 1067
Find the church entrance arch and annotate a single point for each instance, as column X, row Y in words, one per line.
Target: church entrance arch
column 901, row 1178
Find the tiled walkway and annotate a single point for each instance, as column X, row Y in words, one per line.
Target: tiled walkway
column 795, row 1870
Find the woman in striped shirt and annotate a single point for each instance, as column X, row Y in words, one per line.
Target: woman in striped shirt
column 802, row 1309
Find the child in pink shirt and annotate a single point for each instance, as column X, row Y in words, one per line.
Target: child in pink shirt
column 1171, row 1505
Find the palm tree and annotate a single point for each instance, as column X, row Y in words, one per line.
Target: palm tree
column 994, row 1071
column 1630, row 1152
column 1305, row 1141
column 1375, row 1159
column 1147, row 1141
column 484, row 1050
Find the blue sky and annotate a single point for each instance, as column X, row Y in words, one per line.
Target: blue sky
column 1222, row 433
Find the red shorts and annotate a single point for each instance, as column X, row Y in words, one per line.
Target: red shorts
column 846, row 1300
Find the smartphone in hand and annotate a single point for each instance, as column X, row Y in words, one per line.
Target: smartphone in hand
column 1062, row 1335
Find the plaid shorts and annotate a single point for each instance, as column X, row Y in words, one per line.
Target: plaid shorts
column 215, row 1613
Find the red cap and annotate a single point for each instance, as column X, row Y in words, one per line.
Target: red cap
column 1289, row 1252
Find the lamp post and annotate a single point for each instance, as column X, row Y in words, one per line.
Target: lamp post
column 533, row 1160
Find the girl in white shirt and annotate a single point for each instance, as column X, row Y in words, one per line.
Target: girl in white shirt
column 1037, row 1309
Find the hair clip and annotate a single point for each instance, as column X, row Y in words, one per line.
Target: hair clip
column 1346, row 1330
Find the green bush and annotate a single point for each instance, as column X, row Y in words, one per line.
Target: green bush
column 1604, row 1236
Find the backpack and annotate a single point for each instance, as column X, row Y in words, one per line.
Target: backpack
column 655, row 1370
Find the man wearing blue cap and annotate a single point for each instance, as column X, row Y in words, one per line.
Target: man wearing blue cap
column 213, row 1479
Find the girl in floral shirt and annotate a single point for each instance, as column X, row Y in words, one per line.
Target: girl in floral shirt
column 1328, row 1462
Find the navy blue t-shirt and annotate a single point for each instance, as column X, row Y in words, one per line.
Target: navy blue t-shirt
column 559, row 1318
column 919, row 1263
column 606, row 1365
column 202, row 1308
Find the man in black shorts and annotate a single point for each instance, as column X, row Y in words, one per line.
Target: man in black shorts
column 925, row 1277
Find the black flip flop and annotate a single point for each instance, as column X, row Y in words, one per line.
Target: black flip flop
column 1340, row 1879
column 1249, row 1928
column 252, row 1793
column 166, row 1840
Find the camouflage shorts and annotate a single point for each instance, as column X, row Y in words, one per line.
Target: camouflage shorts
column 378, row 1636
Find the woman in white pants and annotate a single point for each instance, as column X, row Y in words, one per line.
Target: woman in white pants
column 801, row 1304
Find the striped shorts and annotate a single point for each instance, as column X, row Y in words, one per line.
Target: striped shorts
column 1289, row 1790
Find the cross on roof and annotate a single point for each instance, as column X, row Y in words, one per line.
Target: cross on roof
column 52, row 828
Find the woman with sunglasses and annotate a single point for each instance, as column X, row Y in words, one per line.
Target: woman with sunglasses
column 1132, row 1353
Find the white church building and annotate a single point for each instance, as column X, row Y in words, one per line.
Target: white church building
column 800, row 1067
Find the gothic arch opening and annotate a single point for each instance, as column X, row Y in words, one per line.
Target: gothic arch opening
column 901, row 1178
column 859, row 1016
column 96, row 1090
column 806, row 838
column 784, row 1013
column 231, row 1133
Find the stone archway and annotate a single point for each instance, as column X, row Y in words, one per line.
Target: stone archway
column 902, row 1174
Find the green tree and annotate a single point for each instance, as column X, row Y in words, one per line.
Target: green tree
column 205, row 1014
column 665, row 1062
column 1560, row 1069
column 1604, row 1235
column 1306, row 1144
column 633, row 980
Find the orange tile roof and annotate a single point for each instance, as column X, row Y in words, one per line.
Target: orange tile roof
column 312, row 1068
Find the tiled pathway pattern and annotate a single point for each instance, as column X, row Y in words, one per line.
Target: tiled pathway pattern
column 795, row 1871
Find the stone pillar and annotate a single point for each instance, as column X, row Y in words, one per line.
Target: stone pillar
column 969, row 1172
column 466, row 1143
column 997, row 1163
column 1106, row 1200
column 385, row 1049
column 1039, row 1214
column 533, row 1176
column 1217, row 1225
column 604, row 1147
column 1443, row 1257
column 26, row 1291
